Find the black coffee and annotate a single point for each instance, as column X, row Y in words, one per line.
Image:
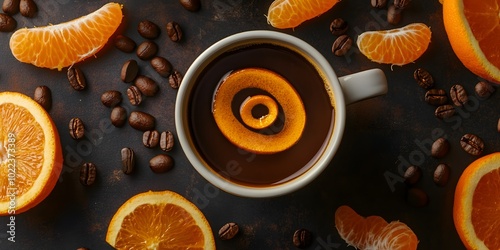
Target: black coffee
column 259, row 169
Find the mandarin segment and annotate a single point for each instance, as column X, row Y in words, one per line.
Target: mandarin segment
column 283, row 14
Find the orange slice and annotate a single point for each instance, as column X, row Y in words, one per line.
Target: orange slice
column 62, row 45
column 472, row 27
column 476, row 209
column 159, row 220
column 284, row 14
column 30, row 153
column 373, row 232
column 396, row 46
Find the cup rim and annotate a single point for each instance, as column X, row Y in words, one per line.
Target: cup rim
column 233, row 41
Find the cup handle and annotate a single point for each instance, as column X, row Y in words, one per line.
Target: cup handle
column 363, row 85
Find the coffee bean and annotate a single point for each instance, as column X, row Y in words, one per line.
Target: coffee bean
column 162, row 66
column 484, row 89
column 43, row 96
column 436, row 97
column 28, row 8
column 118, row 116
column 166, row 141
column 412, row 175
column 150, row 138
column 458, row 95
column 148, row 29
column 175, row 79
column 191, row 5
column 228, row 231
column 161, row 163
column 393, row 15
column 472, row 144
column 134, row 95
column 11, row 7
column 111, row 98
column 498, row 126
column 76, row 128
column 128, row 160
column 88, row 173
column 441, row 174
column 302, row 238
column 341, row 45
column 444, row 111
column 124, row 43
column 423, row 78
column 440, row 148
column 147, row 50
column 141, row 121
column 82, row 248
column 401, row 4
column 174, row 31
column 379, row 3
column 76, row 78
column 7, row 23
column 146, row 85
column 417, row 197
column 130, row 69
column 338, row 26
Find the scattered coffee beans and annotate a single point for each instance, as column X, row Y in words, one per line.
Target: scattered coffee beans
column 412, row 175
column 191, row 5
column 88, row 173
column 401, row 4
column 10, row 7
column 130, row 69
column 147, row 50
column 228, row 231
column 436, row 97
column 442, row 174
column 302, row 238
column 166, row 141
column 148, row 29
column 379, row 3
column 124, row 43
column 141, row 121
column 111, row 98
column 175, row 79
column 43, row 96
column 338, row 26
column 161, row 163
column 150, row 138
column 76, row 78
column 341, row 45
column 7, row 23
column 472, row 144
column 28, row 8
column 162, row 66
column 417, row 197
column 134, row 95
column 128, row 160
column 484, row 89
column 146, row 85
column 440, row 148
column 423, row 78
column 174, row 31
column 118, row 116
column 444, row 111
column 458, row 95
column 393, row 14
column 76, row 128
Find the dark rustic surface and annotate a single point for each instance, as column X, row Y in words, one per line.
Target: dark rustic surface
column 382, row 135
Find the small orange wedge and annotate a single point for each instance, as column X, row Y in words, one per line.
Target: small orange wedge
column 283, row 14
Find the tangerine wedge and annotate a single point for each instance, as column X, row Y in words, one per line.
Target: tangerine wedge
column 283, row 14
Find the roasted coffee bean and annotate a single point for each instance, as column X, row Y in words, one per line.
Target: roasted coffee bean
column 148, row 29
column 484, row 89
column 146, row 85
column 147, row 50
column 111, row 98
column 76, row 78
column 228, row 231
column 130, row 69
column 7, row 23
column 175, row 79
column 124, row 43
column 141, row 121
column 88, row 173
column 423, row 78
column 436, row 97
column 134, row 95
column 166, row 141
column 379, row 3
column 441, row 174
column 161, row 163
column 444, row 111
column 118, row 116
column 174, row 31
column 11, row 7
column 458, row 95
column 150, row 138
column 82, row 248
column 401, row 4
column 76, row 128
column 128, row 160
column 338, row 26
column 393, row 15
column 472, row 144
column 412, row 175
column 341, row 45
column 302, row 238
column 191, row 5
column 440, row 148
column 43, row 96
column 162, row 66
column 28, row 8
column 417, row 197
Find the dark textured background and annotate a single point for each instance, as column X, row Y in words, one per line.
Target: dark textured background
column 381, row 134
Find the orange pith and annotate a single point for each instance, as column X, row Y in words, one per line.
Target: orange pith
column 30, row 153
column 476, row 210
column 284, row 14
column 62, row 45
column 396, row 46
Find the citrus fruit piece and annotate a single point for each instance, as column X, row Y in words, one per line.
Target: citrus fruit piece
column 283, row 14
column 476, row 208
column 398, row 46
column 373, row 232
column 472, row 27
column 62, row 45
column 159, row 220
column 30, row 153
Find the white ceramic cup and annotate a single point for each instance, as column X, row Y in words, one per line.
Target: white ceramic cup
column 346, row 90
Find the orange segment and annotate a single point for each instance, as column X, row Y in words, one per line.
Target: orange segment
column 396, row 46
column 284, row 14
column 62, row 45
column 30, row 153
column 159, row 220
column 476, row 210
